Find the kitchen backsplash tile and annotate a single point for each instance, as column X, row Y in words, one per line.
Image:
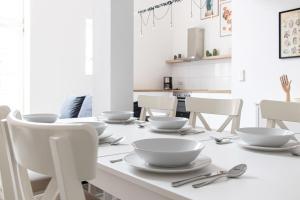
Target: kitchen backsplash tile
column 202, row 76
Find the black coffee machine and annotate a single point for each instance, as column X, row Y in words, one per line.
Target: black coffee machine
column 168, row 83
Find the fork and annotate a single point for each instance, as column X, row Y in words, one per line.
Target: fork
column 188, row 132
column 113, row 142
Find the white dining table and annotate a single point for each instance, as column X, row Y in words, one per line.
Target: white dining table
column 270, row 175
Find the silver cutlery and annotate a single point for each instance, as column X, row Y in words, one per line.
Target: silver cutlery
column 235, row 172
column 190, row 132
column 114, row 141
column 117, row 141
column 116, row 160
column 141, row 124
column 189, row 180
column 222, row 140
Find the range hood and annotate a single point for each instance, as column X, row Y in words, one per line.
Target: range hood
column 195, row 44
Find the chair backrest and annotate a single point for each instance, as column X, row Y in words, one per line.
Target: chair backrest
column 230, row 107
column 66, row 153
column 6, row 158
column 164, row 103
column 277, row 111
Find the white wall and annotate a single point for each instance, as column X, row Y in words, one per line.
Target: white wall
column 57, row 46
column 255, row 49
column 161, row 43
column 113, row 69
column 151, row 49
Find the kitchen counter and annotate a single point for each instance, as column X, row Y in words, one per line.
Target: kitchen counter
column 185, row 90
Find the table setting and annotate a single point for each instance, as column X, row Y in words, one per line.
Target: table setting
column 156, row 156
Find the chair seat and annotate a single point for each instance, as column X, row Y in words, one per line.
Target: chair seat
column 88, row 196
column 39, row 182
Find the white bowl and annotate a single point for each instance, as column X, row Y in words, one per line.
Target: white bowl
column 266, row 137
column 167, row 152
column 168, row 122
column 41, row 118
column 117, row 115
column 99, row 126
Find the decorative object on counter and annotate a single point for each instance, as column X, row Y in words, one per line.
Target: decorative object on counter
column 208, row 54
column 175, row 57
column 215, row 52
column 179, row 56
column 219, row 57
column 226, row 19
column 289, row 37
column 168, row 85
column 151, row 11
column 286, row 86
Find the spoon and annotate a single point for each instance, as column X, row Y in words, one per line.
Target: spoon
column 222, row 140
column 141, row 124
column 232, row 173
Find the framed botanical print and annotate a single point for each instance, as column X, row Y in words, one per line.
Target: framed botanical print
column 226, row 19
column 209, row 9
column 289, row 34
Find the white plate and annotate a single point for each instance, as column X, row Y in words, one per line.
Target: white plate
column 290, row 145
column 158, row 130
column 136, row 162
column 105, row 135
column 127, row 121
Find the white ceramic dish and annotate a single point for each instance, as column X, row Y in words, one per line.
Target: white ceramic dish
column 184, row 129
column 265, row 137
column 99, row 126
column 41, row 118
column 117, row 115
column 167, row 122
column 135, row 161
column 127, row 121
column 167, row 152
column 288, row 146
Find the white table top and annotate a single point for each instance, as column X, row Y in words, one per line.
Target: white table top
column 273, row 176
column 270, row 176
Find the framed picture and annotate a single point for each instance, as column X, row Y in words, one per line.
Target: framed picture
column 289, row 34
column 226, row 19
column 209, row 9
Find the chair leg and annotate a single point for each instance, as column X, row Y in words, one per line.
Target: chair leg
column 70, row 187
column 192, row 120
column 143, row 114
column 107, row 196
column 270, row 123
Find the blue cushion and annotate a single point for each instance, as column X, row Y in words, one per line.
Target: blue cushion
column 71, row 107
column 86, row 107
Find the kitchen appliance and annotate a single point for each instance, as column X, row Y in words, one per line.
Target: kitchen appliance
column 181, row 96
column 195, row 44
column 168, row 83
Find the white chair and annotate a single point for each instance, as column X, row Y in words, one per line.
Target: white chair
column 230, row 107
column 66, row 153
column 39, row 182
column 6, row 171
column 275, row 112
column 162, row 103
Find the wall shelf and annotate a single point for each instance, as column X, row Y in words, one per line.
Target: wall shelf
column 171, row 62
